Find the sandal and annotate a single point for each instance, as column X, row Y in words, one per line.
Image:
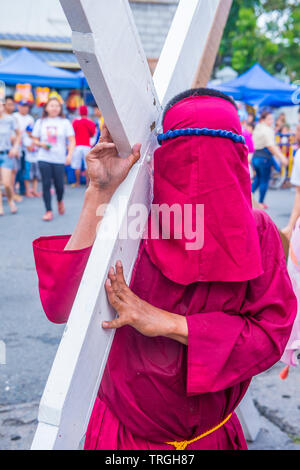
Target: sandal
column 36, row 194
column 17, row 198
column 48, row 216
column 13, row 207
column 61, row 208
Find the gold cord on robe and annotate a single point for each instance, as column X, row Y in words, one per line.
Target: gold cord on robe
column 182, row 445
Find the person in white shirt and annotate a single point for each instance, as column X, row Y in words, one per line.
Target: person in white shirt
column 8, row 150
column 23, row 119
column 54, row 135
column 10, row 107
column 32, row 173
column 263, row 158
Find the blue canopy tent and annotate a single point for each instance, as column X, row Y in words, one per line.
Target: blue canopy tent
column 258, row 87
column 87, row 94
column 84, row 83
column 25, row 67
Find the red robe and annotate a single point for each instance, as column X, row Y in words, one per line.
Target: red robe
column 156, row 390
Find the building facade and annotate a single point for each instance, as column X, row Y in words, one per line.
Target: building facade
column 42, row 27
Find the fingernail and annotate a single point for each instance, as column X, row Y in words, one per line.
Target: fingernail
column 119, row 264
column 108, row 282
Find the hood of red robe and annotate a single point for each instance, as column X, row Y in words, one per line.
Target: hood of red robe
column 208, row 171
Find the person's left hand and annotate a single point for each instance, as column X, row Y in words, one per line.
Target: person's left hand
column 133, row 311
column 68, row 160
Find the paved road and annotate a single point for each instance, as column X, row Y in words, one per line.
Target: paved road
column 32, row 341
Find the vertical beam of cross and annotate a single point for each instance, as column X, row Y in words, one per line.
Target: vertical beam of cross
column 112, row 57
column 199, row 21
column 110, row 53
column 208, row 58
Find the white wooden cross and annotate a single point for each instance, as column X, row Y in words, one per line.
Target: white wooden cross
column 109, row 50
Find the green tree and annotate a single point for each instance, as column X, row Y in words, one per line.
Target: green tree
column 273, row 42
column 250, row 45
column 289, row 40
column 226, row 48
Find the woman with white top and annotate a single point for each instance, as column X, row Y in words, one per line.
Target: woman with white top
column 54, row 135
column 263, row 159
column 8, row 151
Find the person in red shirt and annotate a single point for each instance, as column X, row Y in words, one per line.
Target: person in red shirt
column 84, row 129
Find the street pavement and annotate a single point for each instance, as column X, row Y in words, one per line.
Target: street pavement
column 31, row 340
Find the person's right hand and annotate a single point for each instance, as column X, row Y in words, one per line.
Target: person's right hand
column 44, row 146
column 285, row 162
column 106, row 170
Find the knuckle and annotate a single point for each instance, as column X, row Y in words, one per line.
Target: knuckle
column 116, row 290
column 123, row 289
column 134, row 316
column 115, row 302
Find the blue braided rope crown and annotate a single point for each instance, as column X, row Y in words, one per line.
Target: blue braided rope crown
column 238, row 139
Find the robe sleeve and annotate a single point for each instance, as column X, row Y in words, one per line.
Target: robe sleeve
column 227, row 348
column 59, row 274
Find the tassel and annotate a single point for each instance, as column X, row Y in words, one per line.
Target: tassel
column 284, row 373
column 182, row 445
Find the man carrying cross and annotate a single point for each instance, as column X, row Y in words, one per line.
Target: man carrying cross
column 195, row 325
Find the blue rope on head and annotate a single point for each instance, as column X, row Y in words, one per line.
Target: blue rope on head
column 238, row 139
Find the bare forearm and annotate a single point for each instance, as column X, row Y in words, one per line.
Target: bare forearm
column 71, row 146
column 180, row 332
column 86, row 229
column 18, row 139
column 296, row 210
column 174, row 326
column 37, row 142
column 277, row 153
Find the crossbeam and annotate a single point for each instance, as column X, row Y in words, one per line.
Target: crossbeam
column 109, row 50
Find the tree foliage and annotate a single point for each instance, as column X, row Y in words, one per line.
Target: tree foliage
column 266, row 31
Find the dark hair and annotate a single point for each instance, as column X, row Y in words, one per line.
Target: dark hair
column 45, row 112
column 9, row 97
column 264, row 115
column 197, row 92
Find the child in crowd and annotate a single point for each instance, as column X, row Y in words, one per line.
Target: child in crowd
column 285, row 131
column 84, row 129
column 32, row 172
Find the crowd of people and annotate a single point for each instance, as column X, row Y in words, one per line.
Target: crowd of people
column 33, row 151
column 264, row 153
column 39, row 151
